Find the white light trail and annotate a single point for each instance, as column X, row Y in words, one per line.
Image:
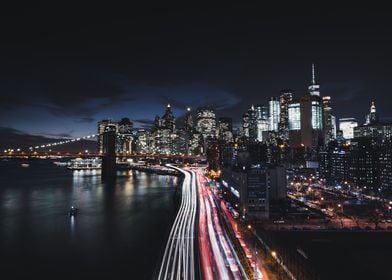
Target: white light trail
column 178, row 260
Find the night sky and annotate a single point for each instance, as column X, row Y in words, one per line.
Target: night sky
column 63, row 68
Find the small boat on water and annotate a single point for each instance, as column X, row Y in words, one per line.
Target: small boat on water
column 60, row 163
column 73, row 211
column 25, row 165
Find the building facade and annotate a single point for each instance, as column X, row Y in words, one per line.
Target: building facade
column 347, row 125
column 206, row 122
column 285, row 98
column 249, row 190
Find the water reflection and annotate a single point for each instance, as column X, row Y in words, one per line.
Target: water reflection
column 125, row 218
column 72, row 225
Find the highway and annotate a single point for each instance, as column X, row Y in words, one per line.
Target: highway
column 216, row 254
column 179, row 257
column 259, row 271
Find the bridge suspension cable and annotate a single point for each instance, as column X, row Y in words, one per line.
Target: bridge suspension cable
column 54, row 144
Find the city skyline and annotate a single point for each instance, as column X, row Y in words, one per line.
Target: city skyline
column 18, row 138
column 67, row 76
column 180, row 111
column 164, row 141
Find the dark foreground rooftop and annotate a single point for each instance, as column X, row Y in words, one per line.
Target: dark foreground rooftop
column 338, row 255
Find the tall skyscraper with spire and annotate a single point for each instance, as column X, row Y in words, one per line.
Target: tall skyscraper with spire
column 168, row 119
column 373, row 127
column 314, row 89
column 188, row 125
column 373, row 116
column 305, row 116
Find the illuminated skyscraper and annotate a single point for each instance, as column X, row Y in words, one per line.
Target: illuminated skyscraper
column 188, row 121
column 327, row 117
column 261, row 121
column 245, row 125
column 385, row 166
column 373, row 126
column 274, row 114
column 306, row 120
column 317, row 115
column 185, row 135
column 333, row 125
column 124, row 136
column 294, row 115
column 164, row 132
column 252, row 123
column 226, row 124
column 347, row 125
column 169, row 121
column 262, row 112
column 363, row 164
column 285, row 98
column 306, row 123
column 226, row 129
column 372, row 117
column 144, row 142
column 206, row 122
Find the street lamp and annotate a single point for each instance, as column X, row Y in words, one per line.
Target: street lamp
column 340, row 205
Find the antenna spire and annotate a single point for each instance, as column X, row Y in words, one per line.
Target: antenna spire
column 313, row 75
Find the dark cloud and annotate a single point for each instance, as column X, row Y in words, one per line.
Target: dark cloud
column 66, row 135
column 65, row 92
column 14, row 138
column 345, row 91
column 143, row 123
column 10, row 130
column 86, row 120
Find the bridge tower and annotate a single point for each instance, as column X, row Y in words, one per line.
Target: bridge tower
column 109, row 151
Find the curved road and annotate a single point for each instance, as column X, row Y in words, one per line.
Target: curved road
column 178, row 260
column 216, row 255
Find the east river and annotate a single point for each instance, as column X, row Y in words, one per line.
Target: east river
column 119, row 233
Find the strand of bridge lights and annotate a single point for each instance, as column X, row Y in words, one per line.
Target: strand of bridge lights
column 52, row 144
column 63, row 142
